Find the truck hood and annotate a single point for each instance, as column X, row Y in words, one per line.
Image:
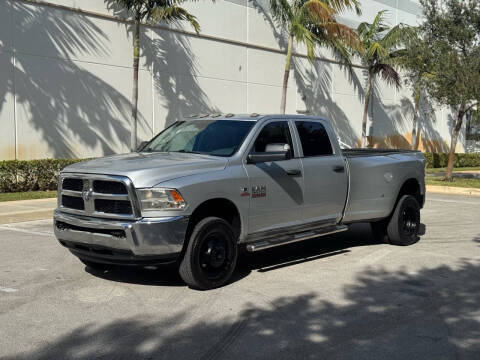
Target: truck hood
column 149, row 169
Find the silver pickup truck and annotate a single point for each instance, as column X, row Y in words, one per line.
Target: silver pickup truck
column 205, row 186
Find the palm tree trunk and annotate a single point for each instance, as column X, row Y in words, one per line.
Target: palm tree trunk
column 372, row 111
column 136, row 56
column 283, row 104
column 453, row 144
column 365, row 110
column 415, row 115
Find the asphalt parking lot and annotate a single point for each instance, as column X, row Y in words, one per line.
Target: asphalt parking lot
column 337, row 297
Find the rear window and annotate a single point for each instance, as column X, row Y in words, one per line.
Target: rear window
column 314, row 138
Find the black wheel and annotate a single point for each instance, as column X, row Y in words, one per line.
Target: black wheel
column 404, row 224
column 96, row 266
column 211, row 255
column 379, row 231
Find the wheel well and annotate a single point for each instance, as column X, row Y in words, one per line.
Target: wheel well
column 222, row 208
column 411, row 187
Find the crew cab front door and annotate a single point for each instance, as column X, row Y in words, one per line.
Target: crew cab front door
column 276, row 187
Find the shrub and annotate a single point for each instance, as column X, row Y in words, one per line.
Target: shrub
column 31, row 175
column 440, row 160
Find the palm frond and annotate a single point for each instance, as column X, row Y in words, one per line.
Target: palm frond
column 370, row 31
column 173, row 13
column 388, row 73
column 343, row 34
column 377, row 51
column 317, row 11
column 305, row 36
column 341, row 51
column 282, row 11
column 362, row 29
column 342, row 5
column 397, row 36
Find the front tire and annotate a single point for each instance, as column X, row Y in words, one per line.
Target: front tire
column 404, row 224
column 211, row 255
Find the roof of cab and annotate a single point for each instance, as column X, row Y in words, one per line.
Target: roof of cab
column 249, row 117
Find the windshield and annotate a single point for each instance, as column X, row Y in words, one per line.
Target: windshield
column 210, row 137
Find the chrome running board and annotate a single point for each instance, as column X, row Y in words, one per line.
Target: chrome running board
column 291, row 238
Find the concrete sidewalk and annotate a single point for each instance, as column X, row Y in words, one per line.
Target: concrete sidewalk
column 452, row 190
column 26, row 210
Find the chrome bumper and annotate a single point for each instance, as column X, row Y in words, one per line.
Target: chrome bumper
column 144, row 237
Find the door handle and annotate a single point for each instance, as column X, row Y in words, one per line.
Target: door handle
column 339, row 168
column 293, row 172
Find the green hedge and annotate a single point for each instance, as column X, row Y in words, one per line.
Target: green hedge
column 32, row 175
column 440, row 160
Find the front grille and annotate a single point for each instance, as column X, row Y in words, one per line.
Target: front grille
column 73, row 202
column 109, row 187
column 72, row 184
column 113, row 206
column 97, row 195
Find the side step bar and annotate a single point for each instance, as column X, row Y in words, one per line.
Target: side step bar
column 291, row 238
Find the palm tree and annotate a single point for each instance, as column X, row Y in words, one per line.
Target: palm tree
column 313, row 22
column 415, row 59
column 380, row 54
column 151, row 11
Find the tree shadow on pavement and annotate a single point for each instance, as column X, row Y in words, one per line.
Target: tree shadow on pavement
column 429, row 314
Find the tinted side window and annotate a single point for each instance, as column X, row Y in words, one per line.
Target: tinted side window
column 314, row 138
column 274, row 133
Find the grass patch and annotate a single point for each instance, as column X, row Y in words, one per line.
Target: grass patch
column 28, row 195
column 442, row 170
column 457, row 182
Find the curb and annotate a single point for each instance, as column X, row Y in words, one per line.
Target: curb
column 22, row 202
column 26, row 216
column 452, row 190
column 26, row 210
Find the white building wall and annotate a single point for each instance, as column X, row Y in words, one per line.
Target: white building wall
column 66, row 77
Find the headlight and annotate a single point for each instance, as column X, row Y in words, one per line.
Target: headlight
column 160, row 199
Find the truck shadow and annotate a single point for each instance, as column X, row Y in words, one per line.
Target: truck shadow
column 316, row 249
column 166, row 275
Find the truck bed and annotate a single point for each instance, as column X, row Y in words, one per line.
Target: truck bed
column 357, row 152
column 375, row 178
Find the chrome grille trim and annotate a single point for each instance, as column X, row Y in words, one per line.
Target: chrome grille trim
column 72, row 193
column 88, row 180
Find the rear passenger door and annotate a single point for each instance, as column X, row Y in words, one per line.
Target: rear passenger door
column 325, row 176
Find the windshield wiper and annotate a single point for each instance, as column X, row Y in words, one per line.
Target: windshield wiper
column 189, row 152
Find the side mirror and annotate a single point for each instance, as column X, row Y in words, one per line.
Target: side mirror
column 273, row 152
column 142, row 145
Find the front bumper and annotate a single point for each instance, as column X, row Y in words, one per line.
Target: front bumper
column 138, row 242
